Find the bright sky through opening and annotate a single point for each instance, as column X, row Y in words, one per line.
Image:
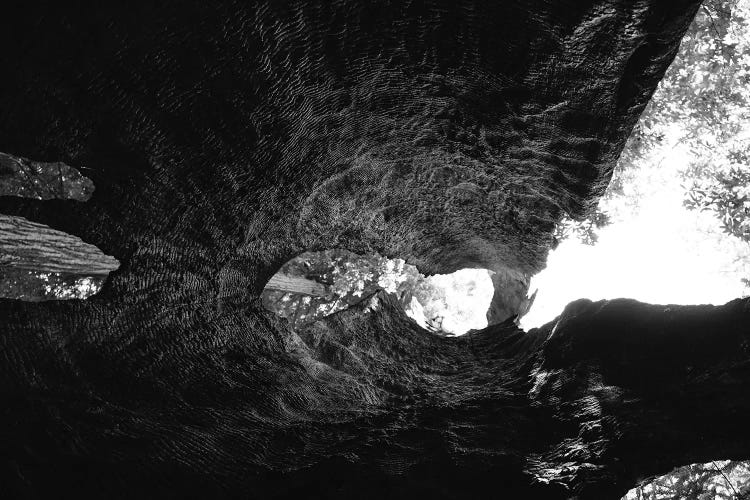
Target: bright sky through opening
column 660, row 252
column 468, row 293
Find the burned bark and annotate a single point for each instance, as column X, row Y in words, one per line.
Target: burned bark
column 225, row 140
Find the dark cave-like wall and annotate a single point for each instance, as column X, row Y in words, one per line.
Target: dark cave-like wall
column 225, row 139
column 451, row 134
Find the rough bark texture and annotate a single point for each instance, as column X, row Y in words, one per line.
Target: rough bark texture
column 224, row 140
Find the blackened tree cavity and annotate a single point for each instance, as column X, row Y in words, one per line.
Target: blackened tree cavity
column 225, row 140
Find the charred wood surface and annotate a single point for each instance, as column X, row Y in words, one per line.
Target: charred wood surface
column 225, row 140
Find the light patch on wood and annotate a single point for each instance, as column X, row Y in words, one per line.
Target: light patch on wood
column 36, row 247
column 296, row 284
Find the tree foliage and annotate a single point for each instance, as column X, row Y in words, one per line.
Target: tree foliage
column 585, row 230
column 705, row 96
column 704, row 99
column 714, row 112
column 727, row 194
column 722, row 480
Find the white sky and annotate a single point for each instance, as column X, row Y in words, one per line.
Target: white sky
column 468, row 293
column 660, row 253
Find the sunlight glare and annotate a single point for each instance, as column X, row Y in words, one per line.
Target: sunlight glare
column 661, row 252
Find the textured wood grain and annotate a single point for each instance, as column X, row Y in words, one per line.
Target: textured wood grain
column 36, row 247
column 296, row 284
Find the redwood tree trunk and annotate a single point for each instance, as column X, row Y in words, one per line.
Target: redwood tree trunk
column 225, row 140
